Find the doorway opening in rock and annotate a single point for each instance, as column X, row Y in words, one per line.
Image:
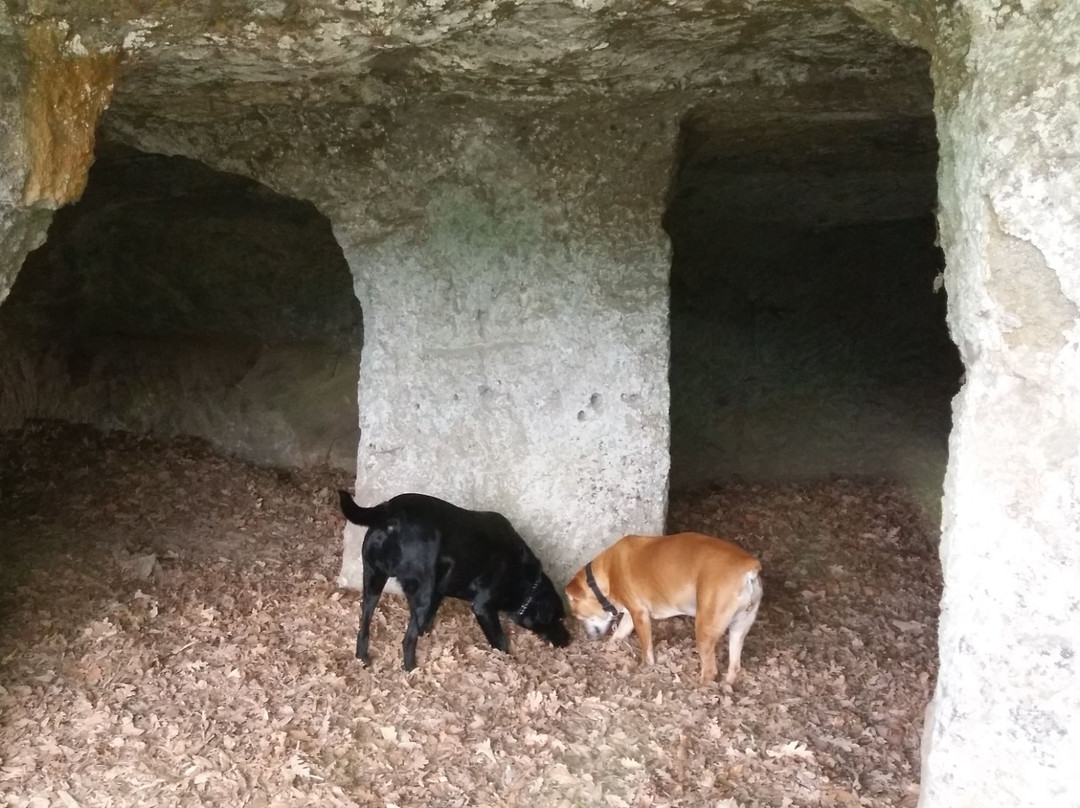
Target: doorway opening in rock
column 173, row 299
column 808, row 335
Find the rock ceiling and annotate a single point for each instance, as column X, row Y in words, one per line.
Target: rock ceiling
column 786, row 83
column 282, row 51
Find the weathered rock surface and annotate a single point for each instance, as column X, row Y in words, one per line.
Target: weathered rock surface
column 497, row 175
column 21, row 228
column 1005, row 723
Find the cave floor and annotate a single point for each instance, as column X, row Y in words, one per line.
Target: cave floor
column 171, row 634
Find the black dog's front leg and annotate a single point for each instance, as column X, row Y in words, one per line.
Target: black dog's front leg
column 374, row 581
column 488, row 618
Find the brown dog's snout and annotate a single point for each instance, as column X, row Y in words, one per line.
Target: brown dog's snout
column 597, row 627
column 594, row 632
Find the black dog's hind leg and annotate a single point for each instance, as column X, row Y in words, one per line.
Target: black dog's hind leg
column 427, row 619
column 443, row 568
column 488, row 618
column 422, row 605
column 374, row 581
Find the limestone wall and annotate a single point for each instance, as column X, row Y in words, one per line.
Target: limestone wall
column 1004, row 728
column 509, row 259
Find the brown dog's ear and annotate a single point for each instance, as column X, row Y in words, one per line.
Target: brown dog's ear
column 576, row 587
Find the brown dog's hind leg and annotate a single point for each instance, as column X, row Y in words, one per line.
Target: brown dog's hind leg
column 735, row 642
column 713, row 617
column 740, row 624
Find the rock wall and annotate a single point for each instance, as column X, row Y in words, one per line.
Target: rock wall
column 1004, row 726
column 21, row 228
column 495, row 176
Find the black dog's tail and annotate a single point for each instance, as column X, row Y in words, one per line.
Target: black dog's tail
column 355, row 514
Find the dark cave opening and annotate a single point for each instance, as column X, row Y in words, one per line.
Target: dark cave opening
column 174, row 299
column 808, row 334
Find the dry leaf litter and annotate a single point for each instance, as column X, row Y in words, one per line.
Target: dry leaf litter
column 171, row 634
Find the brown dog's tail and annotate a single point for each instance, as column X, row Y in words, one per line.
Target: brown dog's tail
column 355, row 514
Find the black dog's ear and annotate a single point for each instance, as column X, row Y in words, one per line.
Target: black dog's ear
column 557, row 635
column 544, row 613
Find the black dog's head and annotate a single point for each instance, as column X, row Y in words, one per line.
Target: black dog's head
column 544, row 612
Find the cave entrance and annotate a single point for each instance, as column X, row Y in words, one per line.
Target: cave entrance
column 808, row 335
column 173, row 299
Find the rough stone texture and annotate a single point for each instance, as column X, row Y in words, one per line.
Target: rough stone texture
column 21, row 228
column 496, row 175
column 512, row 271
column 173, row 299
column 1004, row 728
column 67, row 90
column 516, row 359
column 52, row 93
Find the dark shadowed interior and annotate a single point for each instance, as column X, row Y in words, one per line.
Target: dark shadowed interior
column 808, row 323
column 175, row 299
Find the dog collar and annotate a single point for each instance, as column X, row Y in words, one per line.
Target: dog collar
column 532, row 593
column 608, row 607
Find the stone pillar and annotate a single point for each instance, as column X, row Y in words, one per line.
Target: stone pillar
column 516, row 342
column 1004, row 725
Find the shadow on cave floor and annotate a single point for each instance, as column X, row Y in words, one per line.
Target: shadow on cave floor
column 172, row 634
column 115, row 510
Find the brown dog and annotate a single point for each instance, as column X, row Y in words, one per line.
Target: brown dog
column 653, row 577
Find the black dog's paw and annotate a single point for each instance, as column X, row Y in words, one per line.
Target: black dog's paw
column 558, row 636
column 362, row 652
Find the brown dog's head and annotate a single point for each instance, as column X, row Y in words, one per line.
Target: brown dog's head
column 585, row 606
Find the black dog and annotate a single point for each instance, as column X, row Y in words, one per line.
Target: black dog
column 438, row 550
